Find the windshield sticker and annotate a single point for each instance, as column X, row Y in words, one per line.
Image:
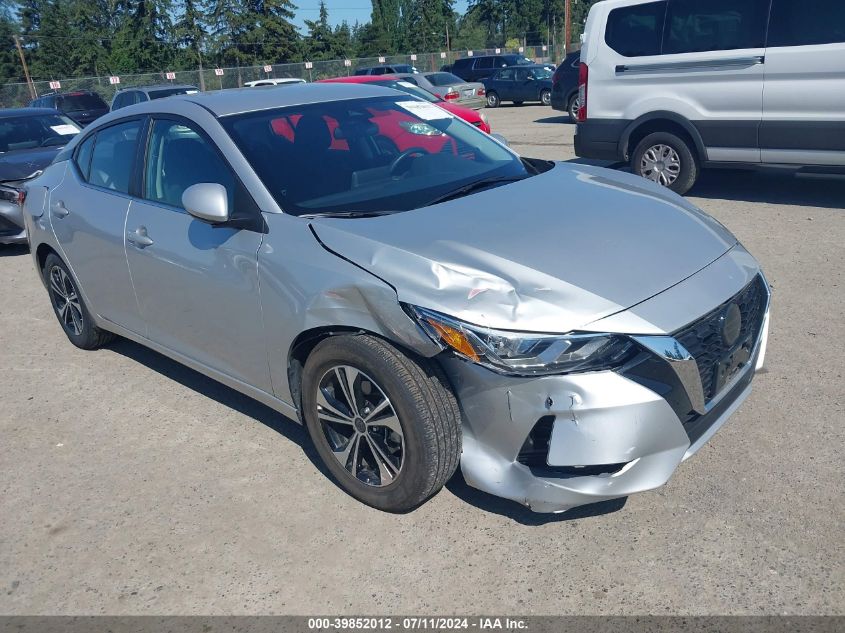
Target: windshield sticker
column 423, row 110
column 64, row 129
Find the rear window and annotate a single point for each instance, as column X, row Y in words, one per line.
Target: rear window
column 167, row 92
column 636, row 31
column 77, row 102
column 807, row 23
column 444, row 79
column 694, row 26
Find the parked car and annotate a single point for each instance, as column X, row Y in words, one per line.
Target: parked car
column 83, row 106
column 565, row 86
column 414, row 309
column 387, row 69
column 406, row 83
column 282, row 81
column 30, row 138
column 674, row 87
column 139, row 94
column 482, row 66
column 519, row 84
column 453, row 88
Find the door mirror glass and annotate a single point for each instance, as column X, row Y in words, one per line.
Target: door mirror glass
column 207, row 201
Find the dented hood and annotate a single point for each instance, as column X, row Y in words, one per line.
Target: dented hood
column 551, row 253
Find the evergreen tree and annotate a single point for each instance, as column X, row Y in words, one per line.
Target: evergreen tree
column 190, row 32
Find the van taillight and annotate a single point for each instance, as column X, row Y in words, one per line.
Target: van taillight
column 583, row 76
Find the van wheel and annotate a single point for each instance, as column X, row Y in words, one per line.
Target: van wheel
column 70, row 308
column 667, row 160
column 386, row 426
column 493, row 100
column 546, row 97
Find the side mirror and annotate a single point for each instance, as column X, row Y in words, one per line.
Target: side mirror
column 207, row 201
column 500, row 138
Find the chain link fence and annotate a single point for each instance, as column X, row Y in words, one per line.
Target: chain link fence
column 18, row 94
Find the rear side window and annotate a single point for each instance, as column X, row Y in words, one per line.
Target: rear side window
column 114, row 156
column 83, row 156
column 505, row 75
column 806, row 23
column 715, row 25
column 636, row 31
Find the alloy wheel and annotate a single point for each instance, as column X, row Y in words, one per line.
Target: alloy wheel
column 574, row 106
column 360, row 426
column 66, row 300
column 661, row 163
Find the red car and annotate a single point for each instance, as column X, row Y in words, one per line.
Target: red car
column 392, row 81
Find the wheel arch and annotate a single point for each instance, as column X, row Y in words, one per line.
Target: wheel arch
column 41, row 253
column 661, row 121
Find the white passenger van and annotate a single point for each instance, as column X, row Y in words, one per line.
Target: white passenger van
column 678, row 85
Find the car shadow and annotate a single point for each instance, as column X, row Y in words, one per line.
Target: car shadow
column 772, row 187
column 522, row 515
column 210, row 388
column 13, row 250
column 563, row 118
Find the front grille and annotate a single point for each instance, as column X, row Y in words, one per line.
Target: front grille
column 703, row 338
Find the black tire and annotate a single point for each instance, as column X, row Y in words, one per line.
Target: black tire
column 673, row 148
column 426, row 409
column 546, row 97
column 69, row 306
column 493, row 100
column 572, row 108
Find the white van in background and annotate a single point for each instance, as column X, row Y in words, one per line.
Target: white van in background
column 677, row 85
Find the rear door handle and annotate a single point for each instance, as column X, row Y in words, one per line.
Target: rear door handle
column 139, row 237
column 60, row 210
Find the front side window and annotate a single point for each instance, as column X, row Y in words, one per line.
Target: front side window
column 504, row 75
column 807, row 23
column 178, row 157
column 30, row 132
column 484, row 63
column 113, row 158
column 636, row 31
column 383, row 155
column 714, row 25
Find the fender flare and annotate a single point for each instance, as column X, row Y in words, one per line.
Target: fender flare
column 685, row 123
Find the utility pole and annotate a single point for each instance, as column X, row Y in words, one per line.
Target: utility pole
column 29, row 83
column 567, row 28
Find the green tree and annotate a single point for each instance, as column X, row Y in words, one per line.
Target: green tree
column 190, row 32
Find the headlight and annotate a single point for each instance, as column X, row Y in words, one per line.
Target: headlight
column 526, row 354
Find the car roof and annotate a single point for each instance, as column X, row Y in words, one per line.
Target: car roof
column 6, row 113
column 239, row 100
column 158, row 87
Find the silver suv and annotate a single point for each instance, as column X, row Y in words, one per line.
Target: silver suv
column 408, row 288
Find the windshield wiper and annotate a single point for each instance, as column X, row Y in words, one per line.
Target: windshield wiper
column 346, row 214
column 474, row 186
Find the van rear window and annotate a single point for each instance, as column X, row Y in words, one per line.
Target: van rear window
column 636, row 31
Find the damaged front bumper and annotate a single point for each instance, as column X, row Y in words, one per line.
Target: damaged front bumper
column 12, row 228
column 555, row 442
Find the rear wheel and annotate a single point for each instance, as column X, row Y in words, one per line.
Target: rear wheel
column 386, row 426
column 70, row 308
column 546, row 97
column 666, row 159
column 493, row 100
column 573, row 107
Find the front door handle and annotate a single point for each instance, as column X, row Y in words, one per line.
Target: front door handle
column 139, row 237
column 60, row 210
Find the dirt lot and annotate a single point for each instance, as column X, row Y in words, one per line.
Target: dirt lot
column 129, row 484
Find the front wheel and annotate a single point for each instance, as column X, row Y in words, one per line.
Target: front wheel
column 546, row 97
column 386, row 426
column 493, row 100
column 667, row 160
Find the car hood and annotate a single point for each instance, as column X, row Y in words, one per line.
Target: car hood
column 551, row 253
column 22, row 164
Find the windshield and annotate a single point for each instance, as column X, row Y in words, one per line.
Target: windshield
column 411, row 89
column 376, row 155
column 167, row 92
column 75, row 103
column 28, row 132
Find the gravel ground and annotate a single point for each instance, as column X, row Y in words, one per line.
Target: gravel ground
column 131, row 485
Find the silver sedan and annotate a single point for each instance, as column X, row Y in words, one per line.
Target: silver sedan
column 408, row 288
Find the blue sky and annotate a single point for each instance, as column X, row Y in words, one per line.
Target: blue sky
column 340, row 10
